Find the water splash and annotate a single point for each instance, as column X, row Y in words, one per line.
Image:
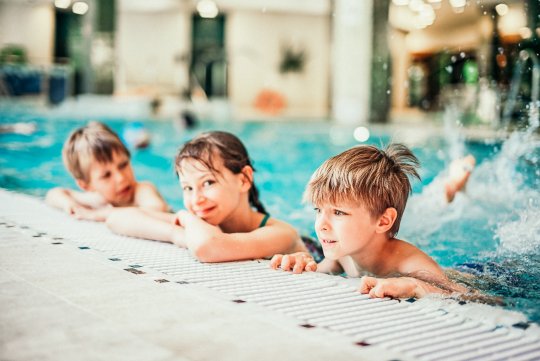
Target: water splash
column 496, row 198
column 452, row 134
column 521, row 236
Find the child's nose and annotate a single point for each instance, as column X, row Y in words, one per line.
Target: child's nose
column 198, row 197
column 321, row 224
column 119, row 176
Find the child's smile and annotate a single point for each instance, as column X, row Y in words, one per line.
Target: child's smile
column 209, row 195
column 204, row 212
column 328, row 242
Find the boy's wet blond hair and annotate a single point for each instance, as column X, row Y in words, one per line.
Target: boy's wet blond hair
column 95, row 141
column 365, row 175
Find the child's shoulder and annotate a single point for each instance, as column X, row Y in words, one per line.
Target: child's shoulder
column 145, row 185
column 147, row 195
column 411, row 259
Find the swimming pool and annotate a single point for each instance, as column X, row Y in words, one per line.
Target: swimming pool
column 495, row 226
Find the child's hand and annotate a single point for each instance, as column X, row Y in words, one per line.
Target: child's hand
column 401, row 287
column 198, row 233
column 96, row 215
column 299, row 262
column 177, row 221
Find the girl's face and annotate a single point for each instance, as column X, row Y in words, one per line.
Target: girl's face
column 211, row 196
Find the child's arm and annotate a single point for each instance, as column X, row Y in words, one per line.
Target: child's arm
column 147, row 224
column 402, row 287
column 148, row 197
column 69, row 200
column 209, row 244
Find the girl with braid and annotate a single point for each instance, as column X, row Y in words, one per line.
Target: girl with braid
column 224, row 219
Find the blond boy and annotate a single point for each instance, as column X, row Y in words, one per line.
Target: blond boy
column 100, row 163
column 359, row 196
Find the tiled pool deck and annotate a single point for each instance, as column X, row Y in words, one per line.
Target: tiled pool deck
column 71, row 290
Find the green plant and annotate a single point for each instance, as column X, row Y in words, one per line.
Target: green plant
column 13, row 54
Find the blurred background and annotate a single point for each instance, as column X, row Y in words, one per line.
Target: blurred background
column 350, row 61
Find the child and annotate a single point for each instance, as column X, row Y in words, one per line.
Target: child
column 360, row 196
column 100, row 164
column 225, row 220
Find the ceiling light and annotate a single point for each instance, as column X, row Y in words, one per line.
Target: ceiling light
column 458, row 3
column 502, row 9
column 80, row 8
column 62, row 4
column 361, row 134
column 207, row 9
column 400, row 2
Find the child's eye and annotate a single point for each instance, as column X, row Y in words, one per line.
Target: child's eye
column 337, row 212
column 208, row 182
column 123, row 165
column 317, row 210
column 106, row 175
column 187, row 188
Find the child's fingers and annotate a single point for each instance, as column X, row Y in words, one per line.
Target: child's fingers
column 367, row 283
column 378, row 291
column 276, row 261
column 311, row 266
column 286, row 263
column 299, row 264
column 180, row 217
column 303, row 262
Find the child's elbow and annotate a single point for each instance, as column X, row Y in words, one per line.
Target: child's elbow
column 115, row 220
column 203, row 254
column 206, row 252
column 52, row 195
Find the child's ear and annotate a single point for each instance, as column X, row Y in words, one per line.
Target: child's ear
column 386, row 220
column 83, row 184
column 247, row 177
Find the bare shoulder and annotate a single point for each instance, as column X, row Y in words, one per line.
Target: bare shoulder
column 279, row 223
column 147, row 196
column 413, row 260
column 146, row 186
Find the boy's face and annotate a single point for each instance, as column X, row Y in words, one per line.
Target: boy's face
column 214, row 197
column 114, row 180
column 344, row 230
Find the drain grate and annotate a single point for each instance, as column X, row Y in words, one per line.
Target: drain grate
column 412, row 328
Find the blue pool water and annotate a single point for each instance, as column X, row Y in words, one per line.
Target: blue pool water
column 495, row 224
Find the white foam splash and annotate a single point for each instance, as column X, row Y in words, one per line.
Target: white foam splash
column 520, row 236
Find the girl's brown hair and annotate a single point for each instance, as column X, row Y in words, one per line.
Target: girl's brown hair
column 229, row 148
